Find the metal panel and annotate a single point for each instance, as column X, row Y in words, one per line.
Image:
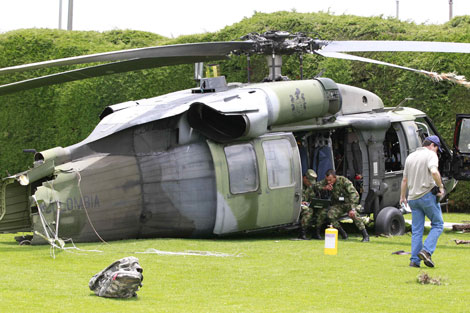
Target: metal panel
column 106, row 188
column 178, row 192
column 15, row 207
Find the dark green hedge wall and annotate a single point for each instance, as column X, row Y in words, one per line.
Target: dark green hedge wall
column 65, row 114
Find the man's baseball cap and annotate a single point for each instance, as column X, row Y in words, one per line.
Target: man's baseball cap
column 435, row 140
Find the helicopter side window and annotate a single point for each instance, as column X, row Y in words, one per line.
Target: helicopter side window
column 243, row 172
column 279, row 163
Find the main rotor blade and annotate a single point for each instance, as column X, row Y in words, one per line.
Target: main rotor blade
column 452, row 77
column 102, row 70
column 391, row 46
column 183, row 50
column 345, row 56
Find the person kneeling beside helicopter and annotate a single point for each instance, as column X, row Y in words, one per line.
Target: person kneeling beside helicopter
column 344, row 199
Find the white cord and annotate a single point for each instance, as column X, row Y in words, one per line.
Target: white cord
column 86, row 211
column 195, row 253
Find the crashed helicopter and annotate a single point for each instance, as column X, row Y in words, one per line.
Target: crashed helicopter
column 222, row 158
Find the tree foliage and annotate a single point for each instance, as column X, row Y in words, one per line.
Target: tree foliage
column 65, row 114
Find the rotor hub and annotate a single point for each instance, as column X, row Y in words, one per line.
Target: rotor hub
column 281, row 42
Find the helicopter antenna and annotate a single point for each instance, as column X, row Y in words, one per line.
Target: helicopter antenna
column 401, row 103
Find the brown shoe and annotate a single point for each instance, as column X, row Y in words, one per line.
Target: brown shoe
column 426, row 258
column 413, row 264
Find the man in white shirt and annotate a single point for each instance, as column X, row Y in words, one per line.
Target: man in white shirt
column 420, row 176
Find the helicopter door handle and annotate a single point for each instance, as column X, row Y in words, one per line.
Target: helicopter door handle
column 297, row 196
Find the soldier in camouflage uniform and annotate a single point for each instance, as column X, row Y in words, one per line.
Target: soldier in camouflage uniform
column 306, row 212
column 344, row 199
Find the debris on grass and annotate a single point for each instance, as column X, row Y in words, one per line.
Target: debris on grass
column 461, row 242
column 424, row 279
column 461, row 227
column 401, row 252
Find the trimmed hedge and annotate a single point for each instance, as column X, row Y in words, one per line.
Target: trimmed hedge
column 65, row 114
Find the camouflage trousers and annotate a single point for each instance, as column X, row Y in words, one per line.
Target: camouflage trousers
column 306, row 216
column 335, row 212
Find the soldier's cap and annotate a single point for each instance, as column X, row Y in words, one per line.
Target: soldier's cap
column 311, row 175
column 435, row 140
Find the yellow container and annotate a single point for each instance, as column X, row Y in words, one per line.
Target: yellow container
column 331, row 241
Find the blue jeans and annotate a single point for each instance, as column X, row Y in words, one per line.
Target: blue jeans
column 425, row 206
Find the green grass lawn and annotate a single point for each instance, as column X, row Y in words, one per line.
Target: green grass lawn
column 456, row 217
column 264, row 274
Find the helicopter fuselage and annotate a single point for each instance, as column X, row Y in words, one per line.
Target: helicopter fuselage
column 214, row 161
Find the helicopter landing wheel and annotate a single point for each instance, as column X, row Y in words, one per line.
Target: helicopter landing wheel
column 390, row 222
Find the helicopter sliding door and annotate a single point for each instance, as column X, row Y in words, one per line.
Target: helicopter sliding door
column 258, row 183
column 395, row 152
column 461, row 157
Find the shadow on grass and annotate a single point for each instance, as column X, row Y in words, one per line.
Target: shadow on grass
column 15, row 247
column 133, row 299
column 9, row 243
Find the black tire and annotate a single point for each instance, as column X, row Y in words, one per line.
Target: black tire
column 390, row 221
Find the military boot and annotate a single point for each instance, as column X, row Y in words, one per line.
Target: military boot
column 303, row 234
column 365, row 236
column 342, row 232
column 316, row 234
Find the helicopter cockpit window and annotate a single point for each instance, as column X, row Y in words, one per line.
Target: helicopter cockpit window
column 243, row 172
column 464, row 138
column 279, row 163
